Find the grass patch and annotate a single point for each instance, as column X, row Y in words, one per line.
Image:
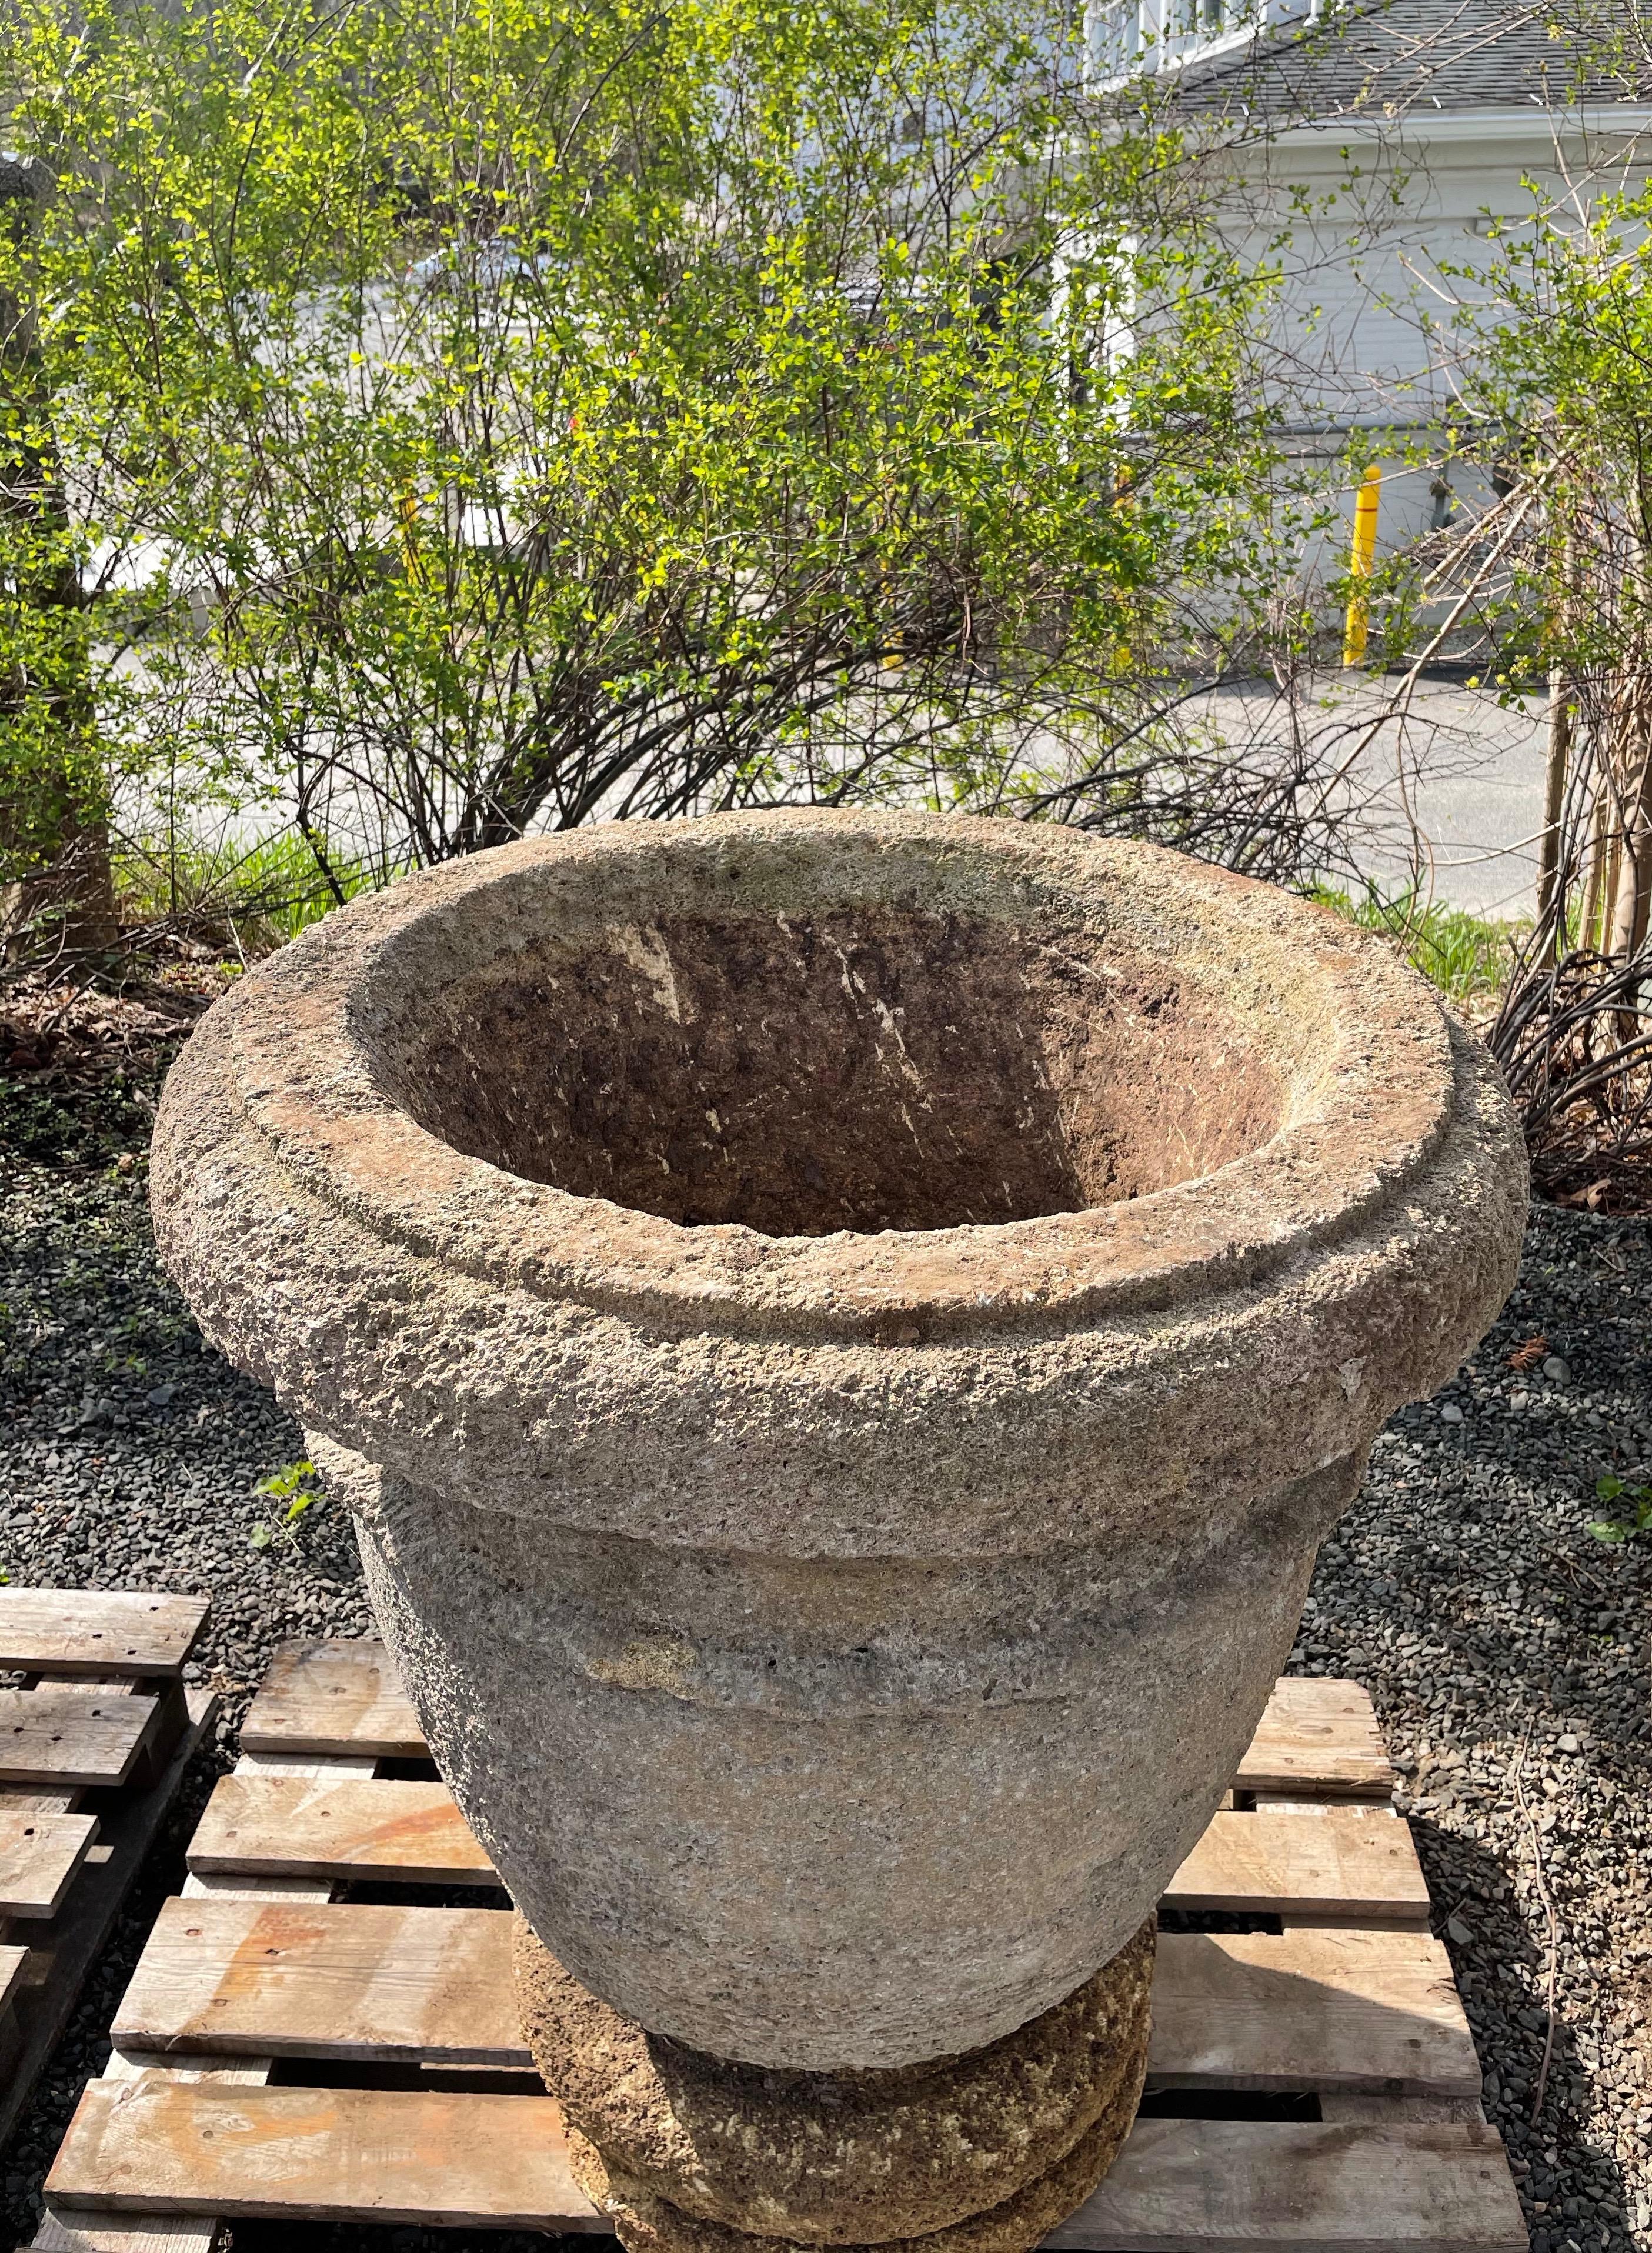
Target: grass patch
column 251, row 896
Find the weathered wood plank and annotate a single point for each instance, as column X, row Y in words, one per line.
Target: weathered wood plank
column 64, row 1737
column 199, row 1884
column 306, row 1764
column 347, row 1827
column 1319, row 1737
column 159, row 2147
column 1340, row 1864
column 83, row 2232
column 39, row 1855
column 1372, row 2012
column 1342, row 2105
column 332, row 1697
column 11, row 1963
column 91, row 2232
column 1198, row 2185
column 97, row 1631
column 1295, row 1802
column 20, row 1799
column 264, row 1886
column 235, row 2072
column 69, row 1944
column 330, row 1980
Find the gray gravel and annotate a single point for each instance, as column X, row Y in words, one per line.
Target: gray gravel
column 1501, row 1642
column 1505, row 1648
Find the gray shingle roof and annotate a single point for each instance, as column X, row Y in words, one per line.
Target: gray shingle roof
column 1422, row 56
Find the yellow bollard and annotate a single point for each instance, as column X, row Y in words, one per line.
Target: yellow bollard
column 407, row 510
column 1357, row 626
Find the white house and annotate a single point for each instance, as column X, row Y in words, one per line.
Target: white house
column 1374, row 150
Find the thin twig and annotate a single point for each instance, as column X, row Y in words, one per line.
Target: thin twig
column 1544, row 1896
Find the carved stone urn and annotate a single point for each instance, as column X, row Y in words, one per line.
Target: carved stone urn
column 842, row 1333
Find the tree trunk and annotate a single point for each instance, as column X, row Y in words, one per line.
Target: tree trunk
column 54, row 826
column 1595, row 867
column 1634, row 888
column 1554, row 798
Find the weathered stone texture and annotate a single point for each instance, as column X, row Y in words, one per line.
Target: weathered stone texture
column 646, row 2224
column 836, row 2159
column 842, row 1332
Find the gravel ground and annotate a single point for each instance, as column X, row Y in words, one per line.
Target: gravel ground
column 1501, row 1641
column 1505, row 1649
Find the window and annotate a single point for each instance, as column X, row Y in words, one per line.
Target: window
column 1115, row 37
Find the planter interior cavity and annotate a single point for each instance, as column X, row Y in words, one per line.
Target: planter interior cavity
column 857, row 1071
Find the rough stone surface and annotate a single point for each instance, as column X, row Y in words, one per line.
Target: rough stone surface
column 1462, row 1588
column 765, row 1595
column 646, row 2224
column 836, row 2159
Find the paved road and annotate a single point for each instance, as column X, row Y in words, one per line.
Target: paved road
column 1451, row 795
column 1473, row 773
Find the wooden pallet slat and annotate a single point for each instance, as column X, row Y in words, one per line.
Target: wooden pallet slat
column 1359, row 2011
column 65, row 1737
column 101, row 2232
column 159, row 2145
column 114, row 2233
column 328, row 1696
column 39, row 1856
column 328, row 1980
column 1190, row 2185
column 107, row 2233
column 1340, row 1864
column 1318, row 1737
column 345, row 1827
column 12, row 1960
column 1373, row 2011
column 77, row 1631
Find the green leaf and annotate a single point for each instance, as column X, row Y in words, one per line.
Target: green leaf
column 288, row 1480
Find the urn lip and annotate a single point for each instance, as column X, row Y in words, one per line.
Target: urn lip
column 1364, row 1051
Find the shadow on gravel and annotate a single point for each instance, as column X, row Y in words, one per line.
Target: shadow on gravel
column 1470, row 1888
column 1506, row 1651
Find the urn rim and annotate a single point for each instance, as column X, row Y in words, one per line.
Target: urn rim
column 1367, row 1103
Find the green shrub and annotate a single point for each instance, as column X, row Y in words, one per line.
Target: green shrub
column 252, row 895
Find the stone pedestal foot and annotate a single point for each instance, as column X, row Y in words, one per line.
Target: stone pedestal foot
column 983, row 2152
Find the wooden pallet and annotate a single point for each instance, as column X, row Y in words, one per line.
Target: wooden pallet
column 93, row 1746
column 281, row 2053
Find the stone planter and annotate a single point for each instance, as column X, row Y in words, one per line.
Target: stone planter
column 843, row 1334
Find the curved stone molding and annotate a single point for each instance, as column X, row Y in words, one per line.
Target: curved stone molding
column 838, row 2159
